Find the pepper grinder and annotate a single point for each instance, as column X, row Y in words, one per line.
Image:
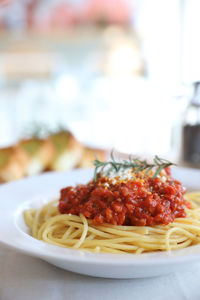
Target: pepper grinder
column 190, row 154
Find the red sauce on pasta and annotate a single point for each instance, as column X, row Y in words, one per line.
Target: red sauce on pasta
column 142, row 201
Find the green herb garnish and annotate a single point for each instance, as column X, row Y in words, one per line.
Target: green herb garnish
column 135, row 164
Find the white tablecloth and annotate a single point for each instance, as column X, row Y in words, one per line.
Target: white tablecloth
column 26, row 278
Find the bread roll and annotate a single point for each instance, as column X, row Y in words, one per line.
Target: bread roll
column 40, row 154
column 13, row 162
column 67, row 151
column 88, row 156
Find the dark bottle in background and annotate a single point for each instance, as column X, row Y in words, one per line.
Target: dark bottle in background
column 191, row 131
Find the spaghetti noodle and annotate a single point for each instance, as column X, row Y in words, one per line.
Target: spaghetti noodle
column 76, row 232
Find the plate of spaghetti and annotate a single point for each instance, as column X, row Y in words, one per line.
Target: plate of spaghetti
column 124, row 219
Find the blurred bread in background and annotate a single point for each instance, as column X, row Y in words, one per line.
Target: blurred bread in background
column 88, row 156
column 59, row 151
column 39, row 152
column 13, row 162
column 67, row 151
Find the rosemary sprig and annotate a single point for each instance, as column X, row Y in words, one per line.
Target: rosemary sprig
column 136, row 165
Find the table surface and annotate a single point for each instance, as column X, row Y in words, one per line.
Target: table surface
column 24, row 277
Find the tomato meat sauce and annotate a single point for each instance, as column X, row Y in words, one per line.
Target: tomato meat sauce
column 141, row 201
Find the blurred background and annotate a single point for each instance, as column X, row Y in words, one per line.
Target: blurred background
column 103, row 74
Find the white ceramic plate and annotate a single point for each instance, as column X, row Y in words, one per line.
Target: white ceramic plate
column 17, row 196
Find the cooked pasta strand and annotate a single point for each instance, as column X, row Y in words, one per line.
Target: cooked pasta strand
column 76, row 232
